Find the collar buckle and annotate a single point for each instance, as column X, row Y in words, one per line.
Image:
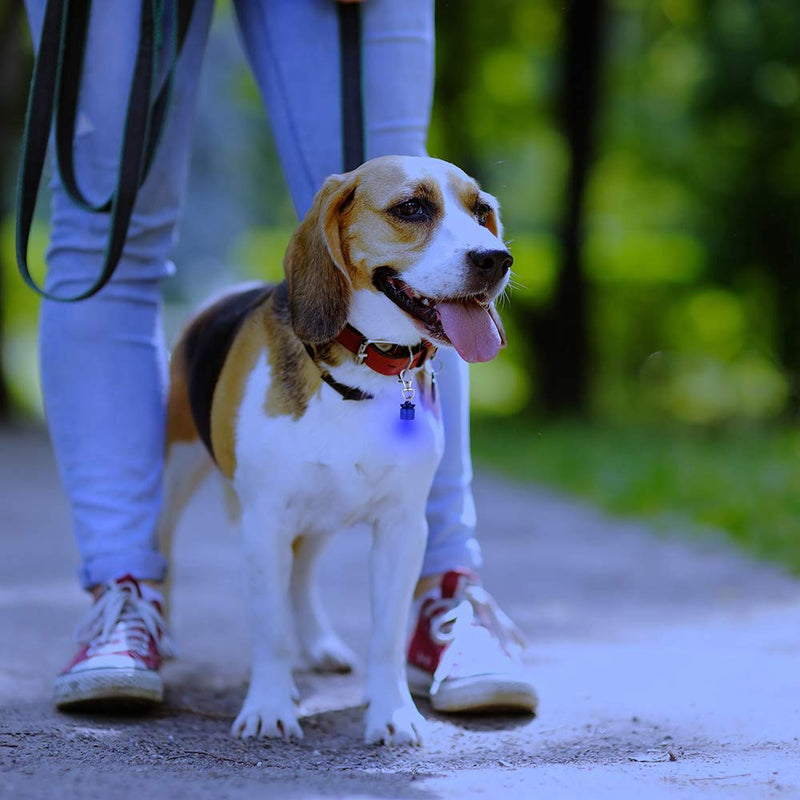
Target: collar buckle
column 361, row 355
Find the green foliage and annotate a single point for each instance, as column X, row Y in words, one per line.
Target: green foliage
column 499, row 387
column 741, row 481
column 19, row 311
column 19, row 304
column 691, row 227
column 259, row 253
column 691, row 213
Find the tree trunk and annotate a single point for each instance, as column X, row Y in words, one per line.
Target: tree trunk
column 561, row 335
column 780, row 250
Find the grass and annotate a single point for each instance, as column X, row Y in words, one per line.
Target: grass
column 744, row 482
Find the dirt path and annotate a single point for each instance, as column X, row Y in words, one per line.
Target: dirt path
column 666, row 668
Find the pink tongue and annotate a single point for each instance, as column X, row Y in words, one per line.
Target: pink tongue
column 471, row 329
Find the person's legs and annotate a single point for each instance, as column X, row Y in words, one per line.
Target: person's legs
column 103, row 380
column 293, row 46
column 103, row 359
column 451, row 508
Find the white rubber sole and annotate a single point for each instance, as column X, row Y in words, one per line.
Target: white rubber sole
column 108, row 686
column 478, row 694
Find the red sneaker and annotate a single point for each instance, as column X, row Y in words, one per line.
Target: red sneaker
column 465, row 653
column 124, row 640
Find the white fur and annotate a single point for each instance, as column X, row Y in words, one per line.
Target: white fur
column 369, row 313
column 351, row 462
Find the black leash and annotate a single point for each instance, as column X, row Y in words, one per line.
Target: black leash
column 352, row 103
column 55, row 87
column 352, row 134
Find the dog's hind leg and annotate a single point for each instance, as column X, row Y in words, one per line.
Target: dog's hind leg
column 321, row 648
column 186, row 460
column 186, row 464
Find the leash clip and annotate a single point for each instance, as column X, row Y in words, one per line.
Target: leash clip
column 406, row 379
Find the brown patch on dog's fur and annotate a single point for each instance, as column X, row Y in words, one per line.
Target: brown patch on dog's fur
column 403, row 234
column 295, row 377
column 470, row 193
column 180, row 425
column 242, row 356
column 374, row 237
column 316, row 269
column 329, row 354
column 200, row 358
column 491, row 222
column 464, row 187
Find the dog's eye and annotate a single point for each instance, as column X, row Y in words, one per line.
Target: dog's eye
column 482, row 211
column 410, row 209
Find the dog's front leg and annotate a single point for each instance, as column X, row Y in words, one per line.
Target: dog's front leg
column 397, row 551
column 269, row 708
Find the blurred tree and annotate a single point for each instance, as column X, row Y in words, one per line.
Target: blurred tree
column 560, row 332
column 748, row 174
column 14, row 71
column 498, row 113
column 456, row 81
column 647, row 158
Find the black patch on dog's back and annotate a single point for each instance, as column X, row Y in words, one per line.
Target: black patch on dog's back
column 206, row 347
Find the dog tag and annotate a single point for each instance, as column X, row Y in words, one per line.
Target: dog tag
column 407, row 410
column 406, row 378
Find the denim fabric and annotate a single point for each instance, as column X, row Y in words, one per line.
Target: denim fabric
column 103, row 360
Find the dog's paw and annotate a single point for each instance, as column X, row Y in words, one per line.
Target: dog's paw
column 397, row 726
column 267, row 719
column 329, row 654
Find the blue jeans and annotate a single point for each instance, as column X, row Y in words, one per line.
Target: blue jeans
column 103, row 360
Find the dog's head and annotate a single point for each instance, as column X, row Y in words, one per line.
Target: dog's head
column 417, row 237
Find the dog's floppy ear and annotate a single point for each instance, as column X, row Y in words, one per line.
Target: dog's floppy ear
column 320, row 287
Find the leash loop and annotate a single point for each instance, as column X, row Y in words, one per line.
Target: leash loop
column 54, row 94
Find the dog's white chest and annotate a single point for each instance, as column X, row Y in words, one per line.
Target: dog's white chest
column 341, row 463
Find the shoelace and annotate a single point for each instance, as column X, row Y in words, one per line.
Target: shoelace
column 141, row 619
column 453, row 623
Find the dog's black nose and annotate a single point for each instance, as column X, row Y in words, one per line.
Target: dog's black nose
column 493, row 264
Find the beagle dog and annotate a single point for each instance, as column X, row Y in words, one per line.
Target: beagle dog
column 316, row 401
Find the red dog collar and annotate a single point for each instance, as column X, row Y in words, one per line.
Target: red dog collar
column 391, row 360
